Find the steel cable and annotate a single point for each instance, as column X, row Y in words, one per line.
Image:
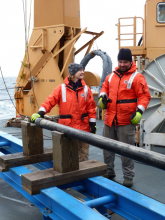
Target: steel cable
column 26, row 51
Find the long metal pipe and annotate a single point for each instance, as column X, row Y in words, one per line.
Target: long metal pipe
column 148, row 157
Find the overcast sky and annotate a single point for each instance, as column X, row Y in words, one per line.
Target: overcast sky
column 96, row 15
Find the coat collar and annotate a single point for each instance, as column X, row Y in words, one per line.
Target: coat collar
column 66, row 81
column 130, row 71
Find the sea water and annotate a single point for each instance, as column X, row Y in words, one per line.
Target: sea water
column 7, row 108
column 7, row 101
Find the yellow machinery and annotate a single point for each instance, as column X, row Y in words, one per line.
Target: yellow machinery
column 151, row 43
column 49, row 52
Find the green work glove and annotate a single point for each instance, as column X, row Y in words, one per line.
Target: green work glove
column 103, row 102
column 35, row 116
column 135, row 118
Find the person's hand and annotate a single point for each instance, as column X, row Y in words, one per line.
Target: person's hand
column 135, row 118
column 103, row 102
column 93, row 127
column 35, row 116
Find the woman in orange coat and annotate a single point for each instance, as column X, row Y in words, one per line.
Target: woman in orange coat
column 76, row 105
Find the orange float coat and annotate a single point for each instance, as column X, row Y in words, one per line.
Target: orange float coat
column 128, row 92
column 76, row 108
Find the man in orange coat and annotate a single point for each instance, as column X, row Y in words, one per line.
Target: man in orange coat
column 125, row 96
column 76, row 105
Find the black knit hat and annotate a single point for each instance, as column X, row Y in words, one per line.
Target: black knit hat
column 125, row 54
column 73, row 68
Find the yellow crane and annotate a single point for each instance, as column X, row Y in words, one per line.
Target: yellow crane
column 49, row 52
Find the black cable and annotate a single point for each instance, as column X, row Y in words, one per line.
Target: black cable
column 140, row 41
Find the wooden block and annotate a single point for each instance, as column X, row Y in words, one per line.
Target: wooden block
column 19, row 159
column 65, row 153
column 34, row 182
column 32, row 138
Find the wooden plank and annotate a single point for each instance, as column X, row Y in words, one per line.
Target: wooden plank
column 32, row 138
column 19, row 159
column 65, row 153
column 34, row 182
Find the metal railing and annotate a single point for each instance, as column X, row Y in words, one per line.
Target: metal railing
column 134, row 25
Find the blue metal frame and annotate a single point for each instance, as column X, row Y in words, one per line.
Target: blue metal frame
column 102, row 193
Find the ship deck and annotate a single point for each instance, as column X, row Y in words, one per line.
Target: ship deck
column 148, row 180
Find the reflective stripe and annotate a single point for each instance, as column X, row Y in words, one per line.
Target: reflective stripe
column 141, row 108
column 86, row 92
column 63, row 92
column 92, row 120
column 42, row 109
column 131, row 80
column 109, row 80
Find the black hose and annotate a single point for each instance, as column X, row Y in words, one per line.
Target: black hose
column 140, row 41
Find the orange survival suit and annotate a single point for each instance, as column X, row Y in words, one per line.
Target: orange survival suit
column 128, row 92
column 76, row 106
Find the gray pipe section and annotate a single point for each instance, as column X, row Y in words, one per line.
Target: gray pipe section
column 86, row 59
column 148, row 157
column 107, row 69
column 107, row 63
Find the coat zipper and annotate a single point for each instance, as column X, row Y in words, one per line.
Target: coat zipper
column 116, row 102
column 77, row 95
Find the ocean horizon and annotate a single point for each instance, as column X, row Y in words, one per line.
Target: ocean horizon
column 7, row 90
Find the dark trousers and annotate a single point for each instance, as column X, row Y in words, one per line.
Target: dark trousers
column 126, row 134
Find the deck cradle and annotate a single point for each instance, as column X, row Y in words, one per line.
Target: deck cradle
column 100, row 192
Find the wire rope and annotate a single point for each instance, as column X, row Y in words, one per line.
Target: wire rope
column 26, row 51
column 5, row 99
column 7, row 88
column 29, row 20
column 29, row 67
column 9, row 94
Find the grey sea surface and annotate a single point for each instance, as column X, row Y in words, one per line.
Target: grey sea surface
column 7, row 102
